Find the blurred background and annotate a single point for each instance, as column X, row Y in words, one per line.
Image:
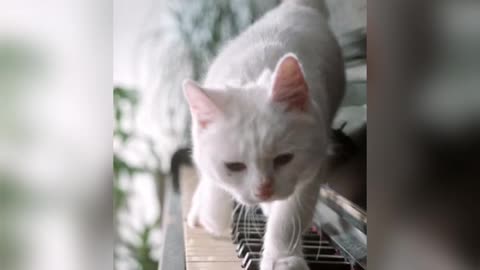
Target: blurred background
column 56, row 125
column 423, row 140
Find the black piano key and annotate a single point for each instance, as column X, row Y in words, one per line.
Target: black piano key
column 329, row 250
column 308, row 250
column 260, row 229
column 250, row 241
column 307, row 238
column 250, row 213
column 260, row 241
column 243, row 235
column 247, row 222
column 238, row 213
column 250, row 234
column 239, row 245
column 250, row 256
column 308, row 257
column 256, row 224
column 250, row 223
column 244, row 242
column 249, row 248
column 249, row 229
column 324, row 257
column 259, row 223
column 256, row 242
column 316, row 242
column 260, row 233
column 313, row 237
column 253, row 265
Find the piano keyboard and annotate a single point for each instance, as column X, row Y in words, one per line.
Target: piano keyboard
column 242, row 249
column 202, row 251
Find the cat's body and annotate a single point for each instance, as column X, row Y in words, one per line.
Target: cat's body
column 261, row 124
column 290, row 28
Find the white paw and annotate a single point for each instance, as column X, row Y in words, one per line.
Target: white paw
column 192, row 219
column 285, row 263
column 216, row 225
column 266, row 207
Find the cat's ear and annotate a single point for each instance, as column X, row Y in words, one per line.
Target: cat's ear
column 202, row 107
column 289, row 85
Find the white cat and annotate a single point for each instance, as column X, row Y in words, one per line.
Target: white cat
column 261, row 123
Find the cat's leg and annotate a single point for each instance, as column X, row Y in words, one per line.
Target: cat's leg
column 266, row 208
column 211, row 209
column 288, row 219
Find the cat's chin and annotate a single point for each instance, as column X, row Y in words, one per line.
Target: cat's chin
column 247, row 202
column 252, row 201
column 255, row 201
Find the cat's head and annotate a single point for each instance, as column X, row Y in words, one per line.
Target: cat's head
column 260, row 141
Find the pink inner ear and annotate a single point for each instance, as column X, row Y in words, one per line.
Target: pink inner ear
column 289, row 84
column 203, row 110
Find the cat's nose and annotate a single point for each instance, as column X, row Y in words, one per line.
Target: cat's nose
column 265, row 190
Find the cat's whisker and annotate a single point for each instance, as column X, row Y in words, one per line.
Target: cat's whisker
column 292, row 236
column 319, row 231
column 290, row 241
column 299, row 235
column 238, row 218
column 320, row 240
column 301, row 208
column 295, row 234
column 248, row 225
column 235, row 209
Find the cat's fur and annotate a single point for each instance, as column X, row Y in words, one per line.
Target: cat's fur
column 272, row 90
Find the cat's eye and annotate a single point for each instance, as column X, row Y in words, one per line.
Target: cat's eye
column 282, row 159
column 235, row 166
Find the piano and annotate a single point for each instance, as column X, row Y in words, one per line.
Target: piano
column 338, row 245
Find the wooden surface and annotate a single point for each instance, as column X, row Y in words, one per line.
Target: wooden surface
column 202, row 251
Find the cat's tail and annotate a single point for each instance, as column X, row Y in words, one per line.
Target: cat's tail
column 319, row 5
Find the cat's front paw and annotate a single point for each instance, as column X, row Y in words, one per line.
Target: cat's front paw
column 216, row 225
column 192, row 219
column 284, row 263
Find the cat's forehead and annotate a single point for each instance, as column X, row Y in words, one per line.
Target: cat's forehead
column 247, row 102
column 253, row 134
column 264, row 80
column 253, row 126
column 255, row 112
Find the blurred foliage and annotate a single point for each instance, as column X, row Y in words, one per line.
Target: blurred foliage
column 125, row 105
column 125, row 102
column 123, row 99
column 12, row 199
column 206, row 26
column 18, row 61
column 21, row 64
column 141, row 253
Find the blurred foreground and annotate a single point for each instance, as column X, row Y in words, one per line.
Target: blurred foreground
column 56, row 135
column 424, row 134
